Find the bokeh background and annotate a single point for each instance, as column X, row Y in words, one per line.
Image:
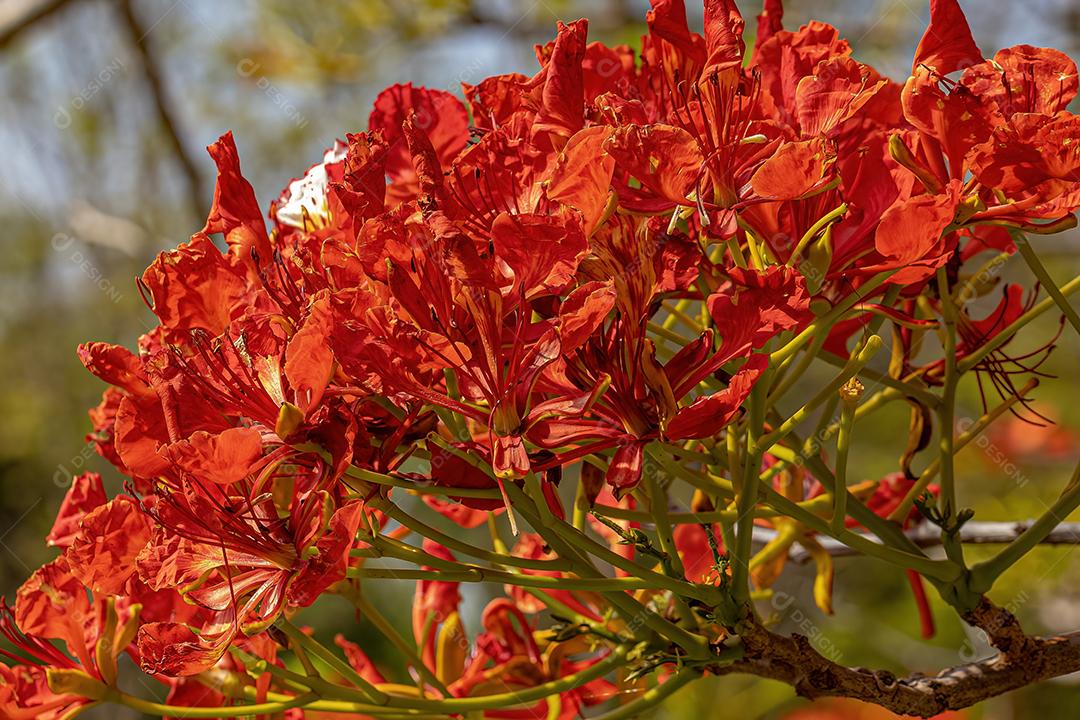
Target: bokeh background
column 106, row 107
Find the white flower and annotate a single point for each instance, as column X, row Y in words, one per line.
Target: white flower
column 305, row 207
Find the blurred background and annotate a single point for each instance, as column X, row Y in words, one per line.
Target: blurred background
column 106, row 108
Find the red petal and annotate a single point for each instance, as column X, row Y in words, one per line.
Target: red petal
column 912, row 229
column 236, row 211
column 52, row 603
column 624, row 470
column 947, row 44
column 111, row 537
column 543, row 252
column 723, row 34
column 437, row 112
column 1024, row 79
column 563, row 106
column 85, row 494
column 583, row 311
column 707, row 415
column 581, row 177
column 666, row 160
column 795, row 169
column 194, row 287
column 769, row 22
column 223, row 458
column 328, row 565
column 309, row 362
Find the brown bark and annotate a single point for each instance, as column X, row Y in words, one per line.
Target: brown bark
column 1021, row 661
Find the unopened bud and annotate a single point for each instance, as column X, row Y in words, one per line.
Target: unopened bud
column 701, row 503
column 903, row 155
column 64, row 681
column 289, row 418
column 851, row 391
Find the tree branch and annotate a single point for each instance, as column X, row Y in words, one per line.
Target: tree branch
column 138, row 37
column 32, row 13
column 1021, row 661
column 927, row 535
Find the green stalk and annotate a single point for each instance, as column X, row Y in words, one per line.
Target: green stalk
column 1047, row 282
column 147, row 707
column 677, row 312
column 314, row 647
column 985, row 573
column 946, row 416
column 376, row 478
column 873, row 344
column 584, row 543
column 581, row 508
column 948, row 404
column 820, row 504
column 901, row 512
column 823, row 222
column 423, row 529
column 747, row 498
column 880, row 378
column 555, row 532
column 843, row 445
column 944, row 570
column 485, row 575
column 400, row 707
column 324, row 689
column 825, row 322
column 658, row 509
column 652, row 697
column 789, row 378
column 384, row 626
column 974, row 358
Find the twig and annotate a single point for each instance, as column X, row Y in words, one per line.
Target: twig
column 138, row 37
column 927, row 535
column 37, row 11
column 1021, row 661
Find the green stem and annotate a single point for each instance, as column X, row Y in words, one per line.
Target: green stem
column 368, row 610
column 790, row 377
column 907, row 388
column 946, row 416
column 634, row 613
column 901, row 512
column 376, row 478
column 985, row 573
column 1047, row 282
column 944, row 570
column 747, row 498
column 843, row 445
column 825, row 322
column 324, row 689
column 823, row 222
column 974, row 358
column 873, row 344
column 423, row 529
column 485, row 575
column 319, row 650
column 889, row 533
column 677, row 313
column 565, row 532
column 162, row 710
column 948, row 404
column 659, row 511
column 652, row 697
column 820, row 504
column 401, row 707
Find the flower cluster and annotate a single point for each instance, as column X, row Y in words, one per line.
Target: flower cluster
column 579, row 307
